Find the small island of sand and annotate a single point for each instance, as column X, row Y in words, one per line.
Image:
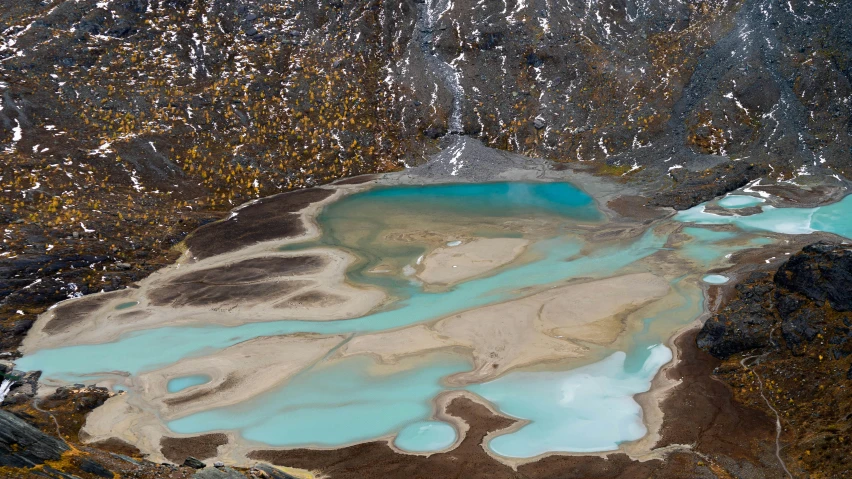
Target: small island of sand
column 452, row 264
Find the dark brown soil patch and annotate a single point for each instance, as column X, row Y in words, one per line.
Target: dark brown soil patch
column 255, row 269
column 635, row 207
column 268, row 219
column 356, row 180
column 117, row 446
column 201, row 294
column 702, row 411
column 177, row 449
column 132, row 316
column 311, row 298
column 69, row 313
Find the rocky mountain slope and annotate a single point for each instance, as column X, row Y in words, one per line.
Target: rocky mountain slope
column 786, row 342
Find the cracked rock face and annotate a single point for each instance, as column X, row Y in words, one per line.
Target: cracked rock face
column 22, row 445
column 822, row 272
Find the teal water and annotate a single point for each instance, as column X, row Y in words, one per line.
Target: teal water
column 126, row 305
column 734, row 202
column 709, row 246
column 362, row 223
column 590, row 408
column 181, row 383
column 587, row 409
column 833, row 218
column 425, row 436
column 338, row 402
column 347, row 401
column 474, row 200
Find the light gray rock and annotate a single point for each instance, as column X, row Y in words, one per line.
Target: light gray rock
column 218, row 473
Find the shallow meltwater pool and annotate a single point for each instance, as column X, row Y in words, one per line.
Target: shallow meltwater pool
column 569, row 370
column 833, row 218
column 181, row 383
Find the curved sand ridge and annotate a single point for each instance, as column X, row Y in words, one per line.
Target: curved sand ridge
column 237, row 373
column 542, row 327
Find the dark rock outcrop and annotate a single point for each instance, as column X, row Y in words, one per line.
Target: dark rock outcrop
column 745, row 323
column 92, row 467
column 193, row 463
column 809, row 297
column 691, row 188
column 821, row 272
column 22, row 445
column 795, row 329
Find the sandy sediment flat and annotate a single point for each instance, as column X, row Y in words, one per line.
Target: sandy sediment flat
column 237, row 373
column 193, row 295
column 232, row 279
column 542, row 327
column 451, row 264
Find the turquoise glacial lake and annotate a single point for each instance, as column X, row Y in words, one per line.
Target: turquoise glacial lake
column 567, row 407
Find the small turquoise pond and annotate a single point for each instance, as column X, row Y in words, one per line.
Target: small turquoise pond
column 426, row 436
column 179, row 384
column 126, row 305
column 715, row 279
column 734, row 202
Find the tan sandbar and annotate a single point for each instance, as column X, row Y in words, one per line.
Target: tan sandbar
column 542, row 327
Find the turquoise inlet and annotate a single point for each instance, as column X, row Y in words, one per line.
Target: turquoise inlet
column 126, row 305
column 715, row 279
column 425, row 436
column 708, row 246
column 181, row 383
column 590, row 408
column 733, row 202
